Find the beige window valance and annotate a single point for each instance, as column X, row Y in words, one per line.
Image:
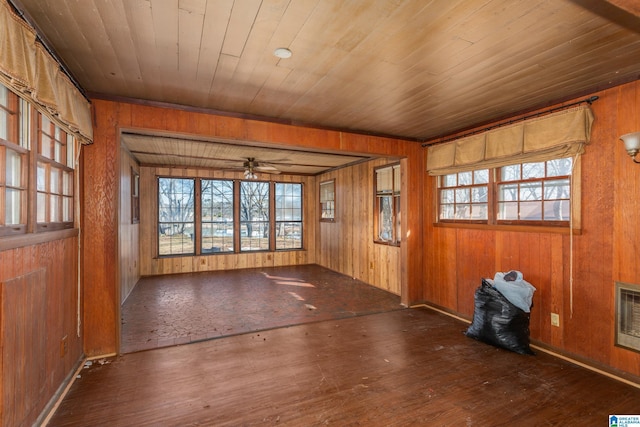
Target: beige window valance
column 553, row 136
column 27, row 68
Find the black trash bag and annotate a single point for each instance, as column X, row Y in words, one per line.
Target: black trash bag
column 498, row 322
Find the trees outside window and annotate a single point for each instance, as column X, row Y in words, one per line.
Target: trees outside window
column 533, row 193
column 254, row 216
column 176, row 216
column 206, row 216
column 288, row 216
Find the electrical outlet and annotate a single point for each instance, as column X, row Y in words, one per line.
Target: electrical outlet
column 555, row 319
column 63, row 346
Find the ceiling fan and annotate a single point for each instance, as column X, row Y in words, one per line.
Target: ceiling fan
column 251, row 166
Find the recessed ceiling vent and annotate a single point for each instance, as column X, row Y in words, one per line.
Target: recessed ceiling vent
column 628, row 315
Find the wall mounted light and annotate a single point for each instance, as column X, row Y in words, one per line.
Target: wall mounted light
column 632, row 144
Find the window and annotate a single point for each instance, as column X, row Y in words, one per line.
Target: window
column 464, row 195
column 217, row 216
column 14, row 155
column 176, row 216
column 328, row 200
column 213, row 216
column 535, row 193
column 54, row 180
column 288, row 216
column 387, row 204
column 254, row 216
column 135, row 197
column 53, row 155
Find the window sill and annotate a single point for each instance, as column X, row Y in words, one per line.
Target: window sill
column 516, row 228
column 32, row 239
column 382, row 242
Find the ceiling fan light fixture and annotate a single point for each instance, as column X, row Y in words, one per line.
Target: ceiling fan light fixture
column 282, row 53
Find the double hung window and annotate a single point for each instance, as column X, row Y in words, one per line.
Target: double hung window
column 534, row 193
column 29, row 137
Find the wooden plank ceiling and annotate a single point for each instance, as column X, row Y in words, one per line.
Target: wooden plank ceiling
column 413, row 69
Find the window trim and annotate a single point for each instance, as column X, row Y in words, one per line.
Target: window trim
column 573, row 226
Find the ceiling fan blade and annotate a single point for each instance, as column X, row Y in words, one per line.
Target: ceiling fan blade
column 266, row 169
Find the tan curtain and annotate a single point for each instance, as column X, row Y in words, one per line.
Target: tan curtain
column 28, row 69
column 556, row 135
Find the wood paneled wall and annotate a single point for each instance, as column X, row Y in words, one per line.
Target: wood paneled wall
column 38, row 325
column 346, row 245
column 102, row 181
column 576, row 278
column 152, row 265
column 128, row 244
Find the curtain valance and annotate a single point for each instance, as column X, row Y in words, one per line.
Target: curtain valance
column 28, row 69
column 556, row 135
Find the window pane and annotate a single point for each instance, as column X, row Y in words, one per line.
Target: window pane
column 559, row 167
column 54, row 185
column 510, row 173
column 531, row 191
column 396, row 179
column 25, row 126
column 41, row 179
column 71, row 154
column 4, row 113
column 67, row 209
column 463, row 212
column 254, row 216
column 465, row 178
column 14, row 169
column 13, row 207
column 450, row 180
column 508, row 192
column 41, row 204
column 175, row 216
column 533, row 170
column 481, row 176
column 54, row 209
column 217, row 216
column 446, row 212
column 447, row 196
column 67, row 183
column 530, row 211
column 384, row 180
column 385, row 218
column 463, row 195
column 557, row 210
column 508, row 211
column 288, row 206
column 479, row 194
column 479, row 212
column 557, row 189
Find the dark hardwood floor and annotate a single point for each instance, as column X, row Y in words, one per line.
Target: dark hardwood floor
column 182, row 308
column 396, row 368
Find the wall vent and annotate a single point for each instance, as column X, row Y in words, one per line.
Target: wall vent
column 628, row 315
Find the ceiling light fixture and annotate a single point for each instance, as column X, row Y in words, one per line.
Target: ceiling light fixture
column 282, row 53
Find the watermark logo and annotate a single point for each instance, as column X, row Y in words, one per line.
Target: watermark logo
column 624, row 420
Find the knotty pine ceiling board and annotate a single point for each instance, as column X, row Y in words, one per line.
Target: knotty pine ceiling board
column 411, row 69
column 154, row 150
